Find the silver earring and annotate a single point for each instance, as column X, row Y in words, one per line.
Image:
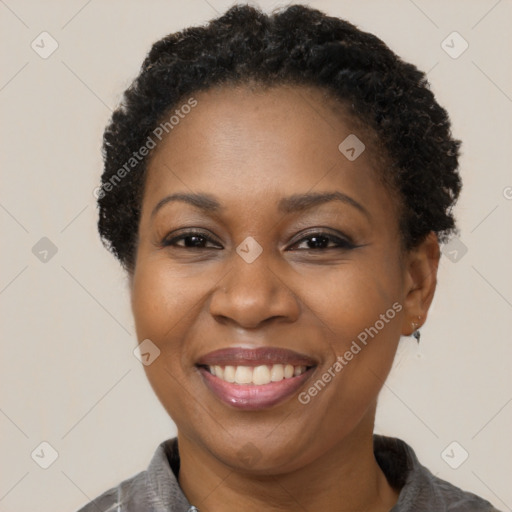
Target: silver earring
column 416, row 331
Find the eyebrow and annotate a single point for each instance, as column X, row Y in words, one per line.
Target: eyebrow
column 204, row 202
column 287, row 205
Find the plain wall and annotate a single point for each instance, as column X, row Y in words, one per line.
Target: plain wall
column 68, row 374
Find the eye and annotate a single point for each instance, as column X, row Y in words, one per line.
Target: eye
column 191, row 240
column 314, row 241
column 322, row 240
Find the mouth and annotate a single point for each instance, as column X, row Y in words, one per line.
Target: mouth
column 253, row 379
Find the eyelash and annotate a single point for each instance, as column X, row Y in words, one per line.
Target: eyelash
column 343, row 244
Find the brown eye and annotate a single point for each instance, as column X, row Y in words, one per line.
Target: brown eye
column 321, row 240
column 191, row 240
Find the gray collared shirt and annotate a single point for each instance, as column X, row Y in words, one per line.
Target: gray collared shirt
column 157, row 489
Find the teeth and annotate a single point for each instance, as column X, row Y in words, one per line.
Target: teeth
column 256, row 375
column 219, row 372
column 261, row 375
column 277, row 373
column 229, row 374
column 243, row 375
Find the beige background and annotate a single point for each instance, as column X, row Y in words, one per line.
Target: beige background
column 68, row 373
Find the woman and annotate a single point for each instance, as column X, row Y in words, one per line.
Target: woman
column 276, row 188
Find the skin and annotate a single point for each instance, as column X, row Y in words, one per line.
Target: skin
column 249, row 149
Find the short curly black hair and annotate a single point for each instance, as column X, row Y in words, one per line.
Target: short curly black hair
column 297, row 45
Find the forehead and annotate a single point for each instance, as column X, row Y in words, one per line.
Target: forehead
column 239, row 141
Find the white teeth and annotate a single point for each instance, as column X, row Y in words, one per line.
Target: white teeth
column 277, row 373
column 256, row 375
column 261, row 375
column 297, row 370
column 219, row 372
column 243, row 375
column 229, row 374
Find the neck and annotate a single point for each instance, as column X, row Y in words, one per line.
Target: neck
column 345, row 478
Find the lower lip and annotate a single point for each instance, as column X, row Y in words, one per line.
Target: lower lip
column 250, row 396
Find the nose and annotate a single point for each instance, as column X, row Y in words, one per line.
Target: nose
column 253, row 294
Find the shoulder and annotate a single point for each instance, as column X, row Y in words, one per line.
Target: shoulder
column 420, row 490
column 155, row 489
column 124, row 494
column 455, row 499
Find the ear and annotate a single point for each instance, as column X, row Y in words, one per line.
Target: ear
column 421, row 264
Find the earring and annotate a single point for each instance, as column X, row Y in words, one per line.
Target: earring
column 416, row 332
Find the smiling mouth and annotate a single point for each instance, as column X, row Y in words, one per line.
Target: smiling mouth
column 254, row 379
column 256, row 375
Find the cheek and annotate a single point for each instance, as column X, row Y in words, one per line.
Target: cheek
column 163, row 304
column 359, row 310
column 349, row 298
column 166, row 304
column 162, row 298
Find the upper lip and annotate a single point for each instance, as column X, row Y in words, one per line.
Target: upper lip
column 238, row 356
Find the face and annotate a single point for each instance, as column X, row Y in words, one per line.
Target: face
column 282, row 271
